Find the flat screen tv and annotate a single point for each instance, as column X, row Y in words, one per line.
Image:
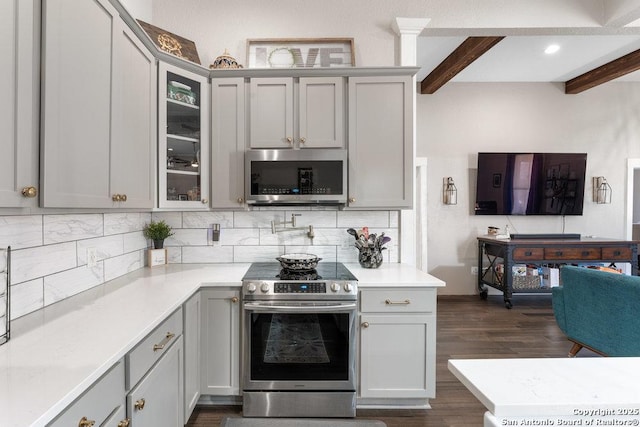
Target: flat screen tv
column 530, row 183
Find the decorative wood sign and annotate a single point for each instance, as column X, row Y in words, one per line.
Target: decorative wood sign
column 171, row 43
column 300, row 53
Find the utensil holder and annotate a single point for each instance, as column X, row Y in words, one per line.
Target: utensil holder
column 370, row 257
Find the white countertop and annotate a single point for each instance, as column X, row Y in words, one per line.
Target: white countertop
column 393, row 274
column 56, row 353
column 551, row 386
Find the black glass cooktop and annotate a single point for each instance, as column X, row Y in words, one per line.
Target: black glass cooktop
column 273, row 271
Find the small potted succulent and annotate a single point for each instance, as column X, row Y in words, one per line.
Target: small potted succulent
column 157, row 231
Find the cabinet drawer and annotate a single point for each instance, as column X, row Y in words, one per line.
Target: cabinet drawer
column 524, row 254
column 571, row 253
column 617, row 253
column 150, row 349
column 398, row 300
column 98, row 402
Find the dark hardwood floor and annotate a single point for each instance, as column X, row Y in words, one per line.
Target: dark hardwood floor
column 468, row 328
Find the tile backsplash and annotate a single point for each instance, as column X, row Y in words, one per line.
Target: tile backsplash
column 49, row 251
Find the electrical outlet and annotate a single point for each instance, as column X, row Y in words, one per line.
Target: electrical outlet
column 474, row 271
column 92, row 257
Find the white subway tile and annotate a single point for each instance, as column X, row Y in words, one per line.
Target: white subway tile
column 327, row 253
column 174, row 255
column 316, row 218
column 106, row 247
column 123, row 264
column 284, row 236
column 134, row 241
column 21, row 231
column 173, row 219
column 66, row 228
column 347, row 254
column 71, row 282
column 394, row 219
column 207, row 254
column 240, row 236
column 27, row 264
column 257, row 253
column 205, row 219
column 359, row 219
column 188, row 237
column 257, row 219
column 116, row 223
column 26, row 297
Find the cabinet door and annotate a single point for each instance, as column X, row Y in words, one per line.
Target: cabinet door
column 133, row 144
column 227, row 142
column 118, row 418
column 192, row 318
column 19, row 50
column 397, row 356
column 158, row 398
column 76, row 108
column 97, row 403
column 183, row 138
column 381, row 142
column 271, row 112
column 321, row 112
column 221, row 341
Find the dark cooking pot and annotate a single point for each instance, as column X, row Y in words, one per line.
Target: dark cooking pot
column 298, row 262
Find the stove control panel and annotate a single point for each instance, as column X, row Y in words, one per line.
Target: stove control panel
column 310, row 288
column 300, row 288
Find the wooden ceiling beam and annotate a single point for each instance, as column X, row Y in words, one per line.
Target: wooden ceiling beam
column 607, row 72
column 470, row 50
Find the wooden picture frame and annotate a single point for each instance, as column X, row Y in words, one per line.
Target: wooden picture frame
column 171, row 43
column 300, row 53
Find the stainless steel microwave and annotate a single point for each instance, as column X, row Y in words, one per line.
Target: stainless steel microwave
column 310, row 176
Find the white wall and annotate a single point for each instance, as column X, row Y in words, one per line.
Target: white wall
column 462, row 119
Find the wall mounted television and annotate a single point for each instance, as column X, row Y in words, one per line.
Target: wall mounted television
column 530, row 183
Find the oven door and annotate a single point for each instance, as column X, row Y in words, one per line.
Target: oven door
column 299, row 346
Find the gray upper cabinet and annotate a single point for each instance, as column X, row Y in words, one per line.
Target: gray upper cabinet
column 98, row 99
column 227, row 142
column 381, row 142
column 19, row 66
column 305, row 112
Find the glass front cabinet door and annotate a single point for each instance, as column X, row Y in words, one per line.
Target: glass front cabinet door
column 183, row 149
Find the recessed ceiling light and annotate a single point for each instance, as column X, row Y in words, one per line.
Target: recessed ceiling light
column 552, row 48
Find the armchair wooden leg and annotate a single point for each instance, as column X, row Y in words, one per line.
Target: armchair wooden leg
column 575, row 349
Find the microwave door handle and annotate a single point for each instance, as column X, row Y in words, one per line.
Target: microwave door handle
column 299, row 308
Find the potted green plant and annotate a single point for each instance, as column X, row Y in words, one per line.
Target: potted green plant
column 157, row 231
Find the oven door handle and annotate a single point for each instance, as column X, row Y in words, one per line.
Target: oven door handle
column 298, row 308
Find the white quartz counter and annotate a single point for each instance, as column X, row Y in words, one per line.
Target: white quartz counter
column 56, row 353
column 393, row 274
column 550, row 387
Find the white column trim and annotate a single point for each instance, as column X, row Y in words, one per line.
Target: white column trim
column 412, row 242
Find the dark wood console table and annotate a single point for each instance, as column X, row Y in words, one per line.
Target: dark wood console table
column 509, row 252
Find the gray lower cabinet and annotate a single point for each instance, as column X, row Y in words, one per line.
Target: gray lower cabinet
column 19, row 67
column 221, row 342
column 192, row 312
column 103, row 403
column 397, row 346
column 154, row 376
column 381, row 142
column 157, row 400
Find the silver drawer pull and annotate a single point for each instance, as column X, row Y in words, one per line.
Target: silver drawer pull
column 164, row 342
column 405, row 302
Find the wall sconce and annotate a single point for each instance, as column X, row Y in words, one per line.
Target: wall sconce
column 601, row 190
column 449, row 192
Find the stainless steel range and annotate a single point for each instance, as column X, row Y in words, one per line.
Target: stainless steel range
column 299, row 341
